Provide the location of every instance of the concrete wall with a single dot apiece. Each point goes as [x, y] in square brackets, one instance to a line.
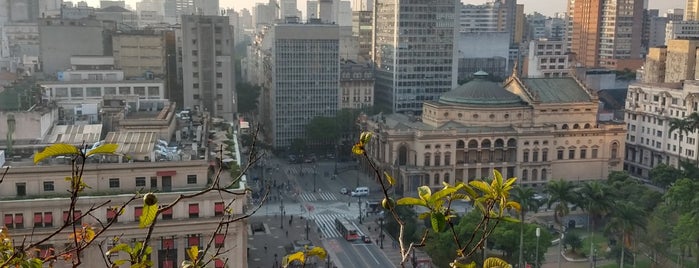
[483, 45]
[59, 40]
[137, 53]
[681, 60]
[28, 125]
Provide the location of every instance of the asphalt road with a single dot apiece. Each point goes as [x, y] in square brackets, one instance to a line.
[355, 254]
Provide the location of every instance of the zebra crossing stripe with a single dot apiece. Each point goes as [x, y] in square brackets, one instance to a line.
[326, 223]
[308, 197]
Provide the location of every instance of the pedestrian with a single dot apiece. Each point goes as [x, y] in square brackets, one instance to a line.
[291, 219]
[287, 233]
[289, 222]
[265, 248]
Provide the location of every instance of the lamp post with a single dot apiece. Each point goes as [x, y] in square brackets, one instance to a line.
[307, 228]
[335, 161]
[314, 178]
[359, 205]
[381, 232]
[538, 233]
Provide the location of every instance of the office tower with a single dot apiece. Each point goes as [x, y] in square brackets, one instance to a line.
[606, 39]
[362, 31]
[311, 10]
[59, 39]
[691, 11]
[287, 8]
[304, 80]
[264, 14]
[413, 50]
[207, 7]
[208, 71]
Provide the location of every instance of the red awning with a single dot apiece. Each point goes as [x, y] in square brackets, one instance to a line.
[37, 218]
[166, 173]
[168, 243]
[8, 219]
[48, 217]
[111, 213]
[137, 211]
[19, 218]
[193, 241]
[193, 208]
[167, 211]
[219, 239]
[218, 263]
[219, 207]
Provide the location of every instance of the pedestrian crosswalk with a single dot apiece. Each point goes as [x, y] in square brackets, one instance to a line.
[309, 197]
[297, 170]
[326, 224]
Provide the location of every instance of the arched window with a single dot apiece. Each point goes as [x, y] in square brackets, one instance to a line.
[615, 150]
[403, 155]
[587, 126]
[460, 144]
[565, 126]
[499, 143]
[535, 174]
[525, 175]
[485, 144]
[426, 180]
[447, 159]
[437, 159]
[543, 174]
[428, 158]
[576, 126]
[511, 143]
[435, 181]
[446, 178]
[473, 144]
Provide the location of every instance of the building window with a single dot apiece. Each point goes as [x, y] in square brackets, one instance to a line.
[19, 221]
[545, 155]
[77, 217]
[9, 221]
[219, 240]
[21, 188]
[535, 156]
[137, 212]
[192, 240]
[559, 155]
[195, 85]
[525, 156]
[447, 159]
[194, 210]
[191, 179]
[114, 183]
[219, 208]
[437, 159]
[167, 214]
[583, 153]
[614, 151]
[435, 180]
[219, 75]
[154, 182]
[195, 96]
[525, 175]
[594, 153]
[112, 214]
[48, 186]
[427, 160]
[140, 181]
[571, 153]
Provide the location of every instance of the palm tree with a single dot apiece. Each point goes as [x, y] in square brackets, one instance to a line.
[525, 198]
[562, 193]
[683, 126]
[597, 200]
[624, 220]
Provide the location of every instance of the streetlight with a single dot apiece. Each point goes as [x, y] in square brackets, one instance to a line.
[336, 159]
[281, 212]
[314, 178]
[359, 205]
[381, 232]
[538, 233]
[307, 228]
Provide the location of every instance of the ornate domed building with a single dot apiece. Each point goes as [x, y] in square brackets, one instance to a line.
[536, 129]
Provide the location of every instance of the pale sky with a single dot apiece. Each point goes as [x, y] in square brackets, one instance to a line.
[546, 7]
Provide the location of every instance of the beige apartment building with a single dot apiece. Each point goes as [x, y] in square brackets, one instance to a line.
[356, 85]
[138, 52]
[536, 129]
[673, 63]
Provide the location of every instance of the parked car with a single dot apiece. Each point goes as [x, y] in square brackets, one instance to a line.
[344, 190]
[366, 239]
[360, 191]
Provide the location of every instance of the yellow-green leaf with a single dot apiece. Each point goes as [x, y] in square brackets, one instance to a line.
[120, 247]
[358, 149]
[89, 233]
[107, 148]
[390, 179]
[118, 263]
[424, 192]
[493, 262]
[365, 137]
[410, 201]
[463, 265]
[193, 253]
[56, 150]
[148, 215]
[318, 252]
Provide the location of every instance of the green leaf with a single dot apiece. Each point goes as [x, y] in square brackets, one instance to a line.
[424, 192]
[509, 219]
[482, 186]
[390, 179]
[493, 262]
[462, 265]
[56, 150]
[365, 137]
[410, 201]
[193, 253]
[107, 148]
[120, 247]
[438, 221]
[423, 215]
[442, 194]
[119, 262]
[148, 215]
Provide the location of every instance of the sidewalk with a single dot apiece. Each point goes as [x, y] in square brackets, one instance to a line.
[275, 239]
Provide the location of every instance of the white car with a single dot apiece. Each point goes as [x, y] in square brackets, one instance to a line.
[343, 190]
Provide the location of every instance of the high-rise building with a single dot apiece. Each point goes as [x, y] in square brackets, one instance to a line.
[208, 70]
[606, 39]
[174, 9]
[207, 7]
[140, 53]
[362, 31]
[413, 50]
[287, 8]
[675, 14]
[311, 9]
[264, 14]
[691, 11]
[303, 78]
[59, 39]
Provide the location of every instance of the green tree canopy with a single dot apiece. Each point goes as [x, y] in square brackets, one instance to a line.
[247, 97]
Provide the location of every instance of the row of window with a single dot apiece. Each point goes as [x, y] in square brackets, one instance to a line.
[114, 183]
[45, 219]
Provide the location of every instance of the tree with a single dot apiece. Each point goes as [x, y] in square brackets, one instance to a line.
[525, 197]
[664, 175]
[562, 194]
[322, 130]
[573, 241]
[625, 219]
[247, 97]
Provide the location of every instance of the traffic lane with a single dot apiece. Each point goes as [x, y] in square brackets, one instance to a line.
[347, 254]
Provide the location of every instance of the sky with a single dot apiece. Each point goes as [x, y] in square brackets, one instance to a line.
[546, 7]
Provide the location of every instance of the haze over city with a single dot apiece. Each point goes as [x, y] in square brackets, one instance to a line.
[546, 7]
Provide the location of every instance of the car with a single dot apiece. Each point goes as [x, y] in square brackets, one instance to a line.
[343, 190]
[366, 239]
[360, 191]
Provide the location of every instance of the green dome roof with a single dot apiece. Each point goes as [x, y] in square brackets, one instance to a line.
[480, 92]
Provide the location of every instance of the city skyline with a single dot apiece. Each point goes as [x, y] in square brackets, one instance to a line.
[547, 8]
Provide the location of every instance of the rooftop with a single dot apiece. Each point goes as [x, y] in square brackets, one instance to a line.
[402, 122]
[480, 91]
[140, 143]
[556, 90]
[74, 134]
[157, 81]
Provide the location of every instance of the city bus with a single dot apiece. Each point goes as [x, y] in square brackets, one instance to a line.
[347, 229]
